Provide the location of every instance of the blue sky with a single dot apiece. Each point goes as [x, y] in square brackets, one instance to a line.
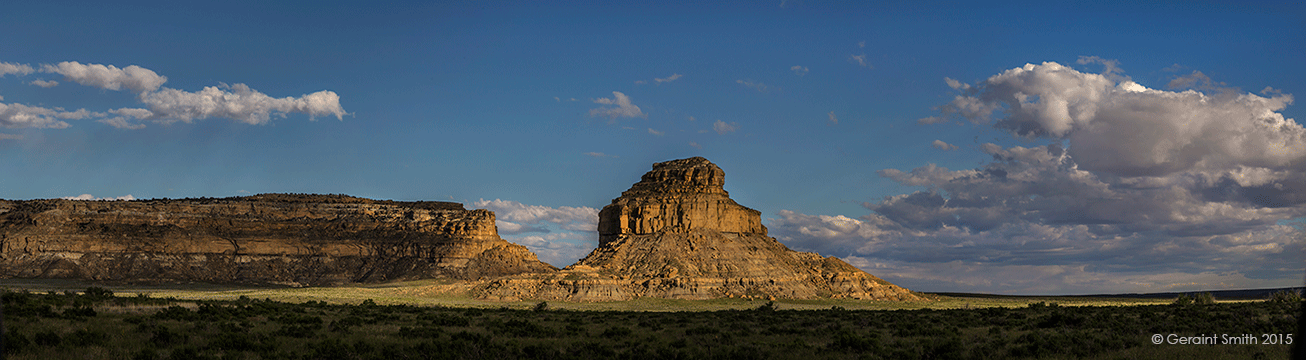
[1143, 148]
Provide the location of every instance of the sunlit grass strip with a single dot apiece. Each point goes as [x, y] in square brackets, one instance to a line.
[453, 294]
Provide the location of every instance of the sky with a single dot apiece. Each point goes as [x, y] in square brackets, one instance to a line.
[1018, 148]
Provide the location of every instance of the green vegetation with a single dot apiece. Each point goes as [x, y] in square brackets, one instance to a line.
[97, 323]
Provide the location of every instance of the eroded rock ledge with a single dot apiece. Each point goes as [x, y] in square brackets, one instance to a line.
[677, 234]
[273, 238]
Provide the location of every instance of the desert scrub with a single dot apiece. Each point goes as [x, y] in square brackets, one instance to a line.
[59, 326]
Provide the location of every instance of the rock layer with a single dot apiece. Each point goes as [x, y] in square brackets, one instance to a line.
[677, 234]
[275, 238]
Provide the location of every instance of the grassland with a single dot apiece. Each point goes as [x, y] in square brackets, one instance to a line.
[449, 294]
[419, 320]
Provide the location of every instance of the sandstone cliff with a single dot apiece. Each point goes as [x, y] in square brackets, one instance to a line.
[677, 234]
[274, 238]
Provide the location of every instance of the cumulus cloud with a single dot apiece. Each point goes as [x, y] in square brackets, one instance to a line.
[558, 249]
[558, 235]
[654, 132]
[721, 127]
[939, 144]
[956, 85]
[623, 107]
[582, 218]
[1111, 67]
[1131, 190]
[109, 77]
[23, 116]
[237, 102]
[89, 197]
[45, 83]
[163, 105]
[1127, 129]
[799, 70]
[17, 69]
[760, 87]
[671, 78]
[833, 120]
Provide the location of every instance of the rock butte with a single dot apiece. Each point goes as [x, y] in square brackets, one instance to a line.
[263, 239]
[677, 234]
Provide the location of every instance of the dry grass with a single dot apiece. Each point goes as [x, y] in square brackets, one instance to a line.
[453, 294]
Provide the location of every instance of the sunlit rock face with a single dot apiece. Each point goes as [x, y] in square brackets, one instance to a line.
[263, 239]
[677, 234]
[678, 195]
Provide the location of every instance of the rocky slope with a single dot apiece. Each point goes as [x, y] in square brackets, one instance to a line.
[276, 238]
[677, 234]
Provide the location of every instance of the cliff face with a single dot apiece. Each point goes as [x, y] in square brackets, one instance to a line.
[281, 239]
[677, 234]
[678, 195]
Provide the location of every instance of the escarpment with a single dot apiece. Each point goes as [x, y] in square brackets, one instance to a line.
[262, 239]
[677, 234]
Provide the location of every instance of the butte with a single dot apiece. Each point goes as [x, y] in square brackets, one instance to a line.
[676, 234]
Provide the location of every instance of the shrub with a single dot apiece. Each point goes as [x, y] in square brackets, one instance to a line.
[1285, 297]
[542, 306]
[616, 332]
[1204, 299]
[47, 338]
[98, 293]
[1183, 299]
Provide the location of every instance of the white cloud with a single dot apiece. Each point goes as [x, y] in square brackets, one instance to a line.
[570, 218]
[799, 70]
[671, 78]
[87, 197]
[109, 77]
[860, 60]
[165, 105]
[833, 120]
[939, 144]
[558, 249]
[760, 87]
[559, 236]
[640, 82]
[1027, 258]
[654, 132]
[121, 123]
[4, 136]
[17, 69]
[721, 127]
[1111, 67]
[861, 44]
[931, 120]
[1132, 190]
[237, 102]
[44, 83]
[599, 154]
[956, 85]
[1126, 129]
[23, 116]
[624, 107]
[695, 145]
